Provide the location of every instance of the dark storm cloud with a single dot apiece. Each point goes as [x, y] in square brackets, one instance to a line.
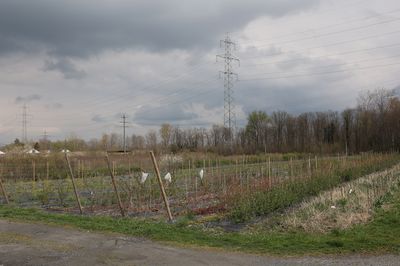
[165, 114]
[27, 99]
[83, 28]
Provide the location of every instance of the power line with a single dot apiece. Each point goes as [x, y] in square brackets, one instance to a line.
[143, 89]
[322, 56]
[332, 33]
[334, 44]
[320, 73]
[346, 22]
[323, 11]
[163, 98]
[334, 65]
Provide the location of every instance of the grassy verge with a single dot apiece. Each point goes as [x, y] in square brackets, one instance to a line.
[247, 206]
[382, 234]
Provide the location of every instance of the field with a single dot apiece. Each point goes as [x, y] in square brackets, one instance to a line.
[277, 204]
[236, 187]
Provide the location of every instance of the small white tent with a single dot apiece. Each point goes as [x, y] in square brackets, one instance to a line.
[2, 153]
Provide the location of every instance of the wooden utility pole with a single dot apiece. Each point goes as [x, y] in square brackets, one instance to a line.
[164, 195]
[115, 185]
[73, 183]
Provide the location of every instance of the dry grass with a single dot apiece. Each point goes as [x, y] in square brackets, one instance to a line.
[347, 205]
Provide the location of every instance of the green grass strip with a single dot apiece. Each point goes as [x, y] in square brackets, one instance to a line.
[380, 235]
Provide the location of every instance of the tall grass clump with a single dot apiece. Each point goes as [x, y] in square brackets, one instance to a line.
[245, 206]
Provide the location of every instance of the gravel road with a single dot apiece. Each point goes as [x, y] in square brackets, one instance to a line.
[37, 244]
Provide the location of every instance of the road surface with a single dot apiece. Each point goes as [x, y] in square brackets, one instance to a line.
[38, 244]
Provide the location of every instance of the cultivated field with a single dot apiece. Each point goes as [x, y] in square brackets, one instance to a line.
[238, 187]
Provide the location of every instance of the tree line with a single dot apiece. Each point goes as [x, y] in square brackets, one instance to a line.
[373, 125]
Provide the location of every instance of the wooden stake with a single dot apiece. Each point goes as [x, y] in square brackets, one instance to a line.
[186, 184]
[4, 191]
[47, 170]
[113, 167]
[164, 195]
[73, 184]
[2, 188]
[111, 170]
[79, 169]
[195, 187]
[33, 170]
[291, 167]
[83, 169]
[269, 172]
[236, 169]
[129, 166]
[204, 169]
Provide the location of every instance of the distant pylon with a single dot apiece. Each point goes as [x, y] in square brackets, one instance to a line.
[229, 104]
[24, 124]
[124, 122]
[45, 139]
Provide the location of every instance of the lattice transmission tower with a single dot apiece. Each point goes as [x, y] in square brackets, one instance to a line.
[124, 125]
[24, 137]
[228, 74]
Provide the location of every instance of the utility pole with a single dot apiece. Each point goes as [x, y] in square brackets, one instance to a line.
[124, 122]
[24, 124]
[229, 105]
[45, 138]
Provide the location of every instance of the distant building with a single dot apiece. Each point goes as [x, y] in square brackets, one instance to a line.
[33, 151]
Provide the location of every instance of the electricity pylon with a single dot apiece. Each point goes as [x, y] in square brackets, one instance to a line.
[229, 104]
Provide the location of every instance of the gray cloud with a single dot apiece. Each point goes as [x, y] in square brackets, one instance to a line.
[98, 119]
[54, 106]
[165, 114]
[76, 28]
[122, 54]
[27, 99]
[64, 66]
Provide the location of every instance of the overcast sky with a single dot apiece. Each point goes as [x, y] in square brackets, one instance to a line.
[78, 65]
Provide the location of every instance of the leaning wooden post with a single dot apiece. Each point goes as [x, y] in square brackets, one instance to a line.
[115, 185]
[33, 170]
[47, 170]
[164, 195]
[4, 191]
[73, 183]
[2, 187]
